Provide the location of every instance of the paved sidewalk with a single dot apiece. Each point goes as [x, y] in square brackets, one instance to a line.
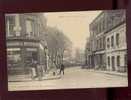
[123, 74]
[24, 78]
[50, 76]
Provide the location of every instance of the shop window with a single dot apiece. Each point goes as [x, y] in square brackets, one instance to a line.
[13, 58]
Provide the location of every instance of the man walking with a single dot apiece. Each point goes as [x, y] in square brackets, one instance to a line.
[34, 72]
[62, 67]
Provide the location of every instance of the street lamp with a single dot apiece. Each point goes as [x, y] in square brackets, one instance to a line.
[46, 57]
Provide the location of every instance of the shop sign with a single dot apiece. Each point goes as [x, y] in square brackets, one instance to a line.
[20, 43]
[31, 44]
[31, 49]
[14, 43]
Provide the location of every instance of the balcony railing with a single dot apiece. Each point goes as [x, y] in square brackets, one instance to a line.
[23, 37]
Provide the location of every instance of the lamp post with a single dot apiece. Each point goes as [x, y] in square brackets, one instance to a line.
[46, 57]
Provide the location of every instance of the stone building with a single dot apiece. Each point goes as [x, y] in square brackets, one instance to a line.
[89, 54]
[116, 45]
[92, 49]
[108, 41]
[24, 43]
[97, 42]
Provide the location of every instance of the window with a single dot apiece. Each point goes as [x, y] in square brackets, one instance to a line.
[100, 26]
[113, 63]
[10, 26]
[108, 42]
[103, 26]
[109, 23]
[13, 56]
[108, 61]
[97, 29]
[103, 43]
[118, 60]
[125, 59]
[112, 41]
[117, 39]
[97, 44]
[100, 43]
[39, 27]
[29, 28]
[112, 20]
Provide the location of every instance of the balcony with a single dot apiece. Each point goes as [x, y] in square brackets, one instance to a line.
[24, 37]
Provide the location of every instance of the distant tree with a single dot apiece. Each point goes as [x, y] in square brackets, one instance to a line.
[87, 47]
[79, 56]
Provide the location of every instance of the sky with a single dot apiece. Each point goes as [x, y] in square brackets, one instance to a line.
[74, 24]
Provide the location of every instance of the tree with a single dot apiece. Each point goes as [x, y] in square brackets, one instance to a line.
[57, 43]
[79, 56]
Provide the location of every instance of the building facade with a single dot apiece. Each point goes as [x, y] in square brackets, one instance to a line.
[97, 42]
[108, 48]
[116, 47]
[24, 45]
[89, 54]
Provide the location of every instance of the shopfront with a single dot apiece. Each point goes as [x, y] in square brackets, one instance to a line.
[20, 55]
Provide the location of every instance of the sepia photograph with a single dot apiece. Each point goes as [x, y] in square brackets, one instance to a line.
[66, 50]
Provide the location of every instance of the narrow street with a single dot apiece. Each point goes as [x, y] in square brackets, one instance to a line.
[74, 77]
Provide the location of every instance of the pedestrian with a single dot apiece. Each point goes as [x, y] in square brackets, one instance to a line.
[39, 71]
[62, 67]
[34, 69]
[33, 73]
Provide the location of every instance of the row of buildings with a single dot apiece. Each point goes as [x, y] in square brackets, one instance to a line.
[106, 48]
[25, 43]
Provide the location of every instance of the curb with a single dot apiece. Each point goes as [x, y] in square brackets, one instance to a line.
[111, 73]
[117, 74]
[29, 80]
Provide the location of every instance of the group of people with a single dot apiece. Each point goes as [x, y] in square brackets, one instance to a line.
[37, 71]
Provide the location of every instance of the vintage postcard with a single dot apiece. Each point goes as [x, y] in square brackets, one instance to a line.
[66, 50]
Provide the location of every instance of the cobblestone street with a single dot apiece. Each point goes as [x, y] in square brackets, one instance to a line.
[74, 77]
